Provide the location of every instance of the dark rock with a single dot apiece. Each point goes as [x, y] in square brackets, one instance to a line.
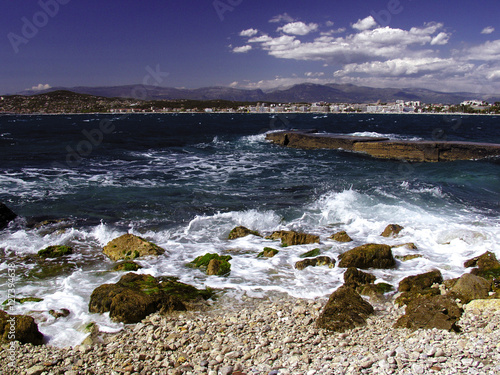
[406, 297]
[6, 215]
[354, 277]
[312, 253]
[127, 265]
[341, 237]
[375, 291]
[268, 252]
[25, 331]
[55, 251]
[213, 264]
[291, 238]
[392, 230]
[242, 232]
[439, 312]
[368, 256]
[487, 266]
[129, 246]
[406, 258]
[315, 262]
[134, 297]
[409, 245]
[63, 313]
[420, 282]
[469, 287]
[344, 310]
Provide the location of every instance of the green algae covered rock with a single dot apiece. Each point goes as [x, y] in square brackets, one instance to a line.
[55, 251]
[213, 264]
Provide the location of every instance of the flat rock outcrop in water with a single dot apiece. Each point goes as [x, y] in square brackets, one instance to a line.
[385, 148]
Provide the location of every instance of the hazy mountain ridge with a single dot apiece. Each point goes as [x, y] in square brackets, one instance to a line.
[306, 92]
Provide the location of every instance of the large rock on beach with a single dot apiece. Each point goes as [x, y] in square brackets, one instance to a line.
[421, 281]
[344, 310]
[6, 215]
[129, 246]
[341, 237]
[487, 266]
[20, 328]
[354, 277]
[439, 312]
[291, 238]
[241, 231]
[135, 296]
[315, 262]
[392, 230]
[368, 256]
[469, 287]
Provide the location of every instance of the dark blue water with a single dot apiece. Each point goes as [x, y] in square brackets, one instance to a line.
[183, 181]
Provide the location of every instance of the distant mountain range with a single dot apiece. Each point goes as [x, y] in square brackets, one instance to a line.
[306, 92]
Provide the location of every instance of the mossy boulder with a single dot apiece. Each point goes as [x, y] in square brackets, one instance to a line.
[49, 269]
[341, 237]
[135, 296]
[6, 216]
[344, 310]
[392, 230]
[268, 252]
[312, 253]
[55, 251]
[354, 277]
[487, 266]
[213, 264]
[20, 328]
[368, 256]
[291, 238]
[375, 291]
[440, 312]
[470, 287]
[127, 265]
[421, 281]
[241, 231]
[129, 247]
[315, 262]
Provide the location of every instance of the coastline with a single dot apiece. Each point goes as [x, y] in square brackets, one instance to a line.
[273, 335]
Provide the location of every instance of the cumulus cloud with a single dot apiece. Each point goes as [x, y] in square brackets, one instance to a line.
[282, 18]
[249, 32]
[489, 51]
[440, 39]
[243, 49]
[41, 87]
[311, 74]
[365, 24]
[488, 30]
[298, 28]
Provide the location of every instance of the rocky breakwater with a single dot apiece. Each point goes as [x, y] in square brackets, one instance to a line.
[385, 148]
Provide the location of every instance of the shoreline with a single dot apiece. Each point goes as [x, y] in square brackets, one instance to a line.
[273, 335]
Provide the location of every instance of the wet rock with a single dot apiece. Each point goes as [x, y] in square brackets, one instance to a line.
[213, 264]
[134, 297]
[406, 258]
[344, 310]
[354, 277]
[487, 266]
[268, 252]
[439, 312]
[21, 328]
[241, 231]
[469, 287]
[129, 246]
[6, 216]
[55, 251]
[315, 262]
[22, 300]
[375, 291]
[368, 256]
[341, 237]
[420, 282]
[62, 313]
[311, 254]
[409, 246]
[392, 230]
[127, 265]
[291, 238]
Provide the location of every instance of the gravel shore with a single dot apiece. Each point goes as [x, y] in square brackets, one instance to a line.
[275, 335]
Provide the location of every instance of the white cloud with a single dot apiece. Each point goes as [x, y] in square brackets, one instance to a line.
[365, 24]
[441, 39]
[489, 51]
[298, 28]
[260, 39]
[249, 32]
[41, 87]
[488, 30]
[281, 18]
[311, 74]
[329, 24]
[243, 49]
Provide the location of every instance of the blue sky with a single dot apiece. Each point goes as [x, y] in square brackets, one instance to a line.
[435, 44]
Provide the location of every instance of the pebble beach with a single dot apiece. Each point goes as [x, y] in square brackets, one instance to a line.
[275, 335]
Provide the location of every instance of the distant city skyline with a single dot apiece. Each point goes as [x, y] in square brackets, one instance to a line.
[430, 44]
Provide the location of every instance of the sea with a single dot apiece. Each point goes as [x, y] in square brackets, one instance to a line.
[183, 181]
